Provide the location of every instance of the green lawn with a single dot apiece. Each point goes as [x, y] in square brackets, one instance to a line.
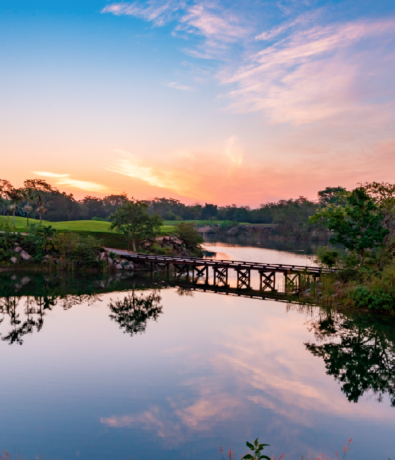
[74, 225]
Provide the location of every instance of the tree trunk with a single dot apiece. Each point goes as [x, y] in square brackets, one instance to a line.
[134, 245]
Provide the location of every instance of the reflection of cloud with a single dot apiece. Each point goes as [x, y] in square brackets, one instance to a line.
[67, 181]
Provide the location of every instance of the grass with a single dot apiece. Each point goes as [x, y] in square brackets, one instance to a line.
[78, 226]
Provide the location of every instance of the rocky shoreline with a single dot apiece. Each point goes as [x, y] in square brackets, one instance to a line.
[111, 259]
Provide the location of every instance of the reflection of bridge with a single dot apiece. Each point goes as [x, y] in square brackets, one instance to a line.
[198, 268]
[232, 291]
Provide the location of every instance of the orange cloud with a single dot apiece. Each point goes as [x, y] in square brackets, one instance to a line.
[66, 181]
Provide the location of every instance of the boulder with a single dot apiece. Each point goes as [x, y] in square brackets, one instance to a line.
[103, 255]
[130, 266]
[14, 260]
[24, 255]
[118, 266]
[17, 249]
[110, 261]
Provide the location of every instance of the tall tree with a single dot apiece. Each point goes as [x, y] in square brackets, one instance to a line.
[357, 225]
[133, 220]
[38, 189]
[5, 186]
[15, 196]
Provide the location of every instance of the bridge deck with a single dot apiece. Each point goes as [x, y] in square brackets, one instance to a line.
[235, 264]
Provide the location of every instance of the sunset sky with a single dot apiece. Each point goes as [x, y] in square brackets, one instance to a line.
[205, 101]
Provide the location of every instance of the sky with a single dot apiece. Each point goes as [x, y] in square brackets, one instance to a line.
[203, 101]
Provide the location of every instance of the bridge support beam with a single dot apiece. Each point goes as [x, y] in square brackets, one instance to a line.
[201, 272]
[180, 270]
[267, 281]
[220, 276]
[243, 278]
[291, 281]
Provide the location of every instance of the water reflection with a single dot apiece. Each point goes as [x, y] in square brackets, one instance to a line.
[134, 310]
[125, 362]
[358, 350]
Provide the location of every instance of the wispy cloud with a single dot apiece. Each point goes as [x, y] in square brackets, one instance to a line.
[310, 75]
[66, 181]
[176, 85]
[157, 11]
[217, 25]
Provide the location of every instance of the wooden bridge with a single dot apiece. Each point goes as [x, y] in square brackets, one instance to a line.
[199, 268]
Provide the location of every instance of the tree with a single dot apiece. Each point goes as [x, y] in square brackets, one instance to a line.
[5, 186]
[15, 196]
[357, 225]
[332, 195]
[38, 189]
[209, 211]
[187, 232]
[383, 194]
[132, 219]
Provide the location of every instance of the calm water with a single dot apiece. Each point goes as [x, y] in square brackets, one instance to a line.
[117, 368]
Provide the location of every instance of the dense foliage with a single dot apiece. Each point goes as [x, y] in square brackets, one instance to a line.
[357, 225]
[44, 244]
[363, 222]
[39, 199]
[135, 223]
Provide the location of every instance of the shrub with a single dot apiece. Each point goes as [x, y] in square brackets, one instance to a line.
[188, 233]
[375, 299]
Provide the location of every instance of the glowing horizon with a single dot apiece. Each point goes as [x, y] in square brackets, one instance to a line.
[196, 100]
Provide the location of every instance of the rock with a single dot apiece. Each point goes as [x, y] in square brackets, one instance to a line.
[14, 260]
[25, 255]
[17, 249]
[118, 266]
[176, 241]
[46, 257]
[110, 261]
[103, 255]
[130, 266]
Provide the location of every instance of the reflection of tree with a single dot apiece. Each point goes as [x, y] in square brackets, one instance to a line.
[133, 312]
[34, 312]
[358, 352]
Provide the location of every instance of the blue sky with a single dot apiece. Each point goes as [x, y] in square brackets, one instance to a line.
[200, 100]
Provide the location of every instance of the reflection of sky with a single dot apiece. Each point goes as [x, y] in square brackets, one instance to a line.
[211, 368]
[224, 251]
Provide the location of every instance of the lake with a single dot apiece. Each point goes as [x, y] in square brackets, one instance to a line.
[128, 367]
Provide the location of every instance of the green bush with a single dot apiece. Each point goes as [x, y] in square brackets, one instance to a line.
[188, 233]
[327, 256]
[373, 299]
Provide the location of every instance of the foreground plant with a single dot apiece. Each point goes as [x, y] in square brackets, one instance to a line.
[256, 450]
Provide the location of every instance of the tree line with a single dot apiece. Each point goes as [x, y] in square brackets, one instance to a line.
[38, 199]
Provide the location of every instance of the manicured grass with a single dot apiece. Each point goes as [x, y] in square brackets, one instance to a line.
[78, 226]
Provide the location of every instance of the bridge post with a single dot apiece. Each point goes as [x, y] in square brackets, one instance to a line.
[267, 282]
[291, 281]
[220, 276]
[243, 278]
